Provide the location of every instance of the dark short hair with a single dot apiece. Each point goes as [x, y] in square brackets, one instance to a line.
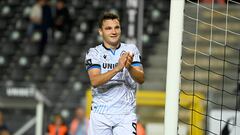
[107, 16]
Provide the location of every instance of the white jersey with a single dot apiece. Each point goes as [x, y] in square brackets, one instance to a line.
[117, 96]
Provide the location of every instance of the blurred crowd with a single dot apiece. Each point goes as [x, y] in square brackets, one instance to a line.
[77, 126]
[3, 127]
[46, 18]
[58, 125]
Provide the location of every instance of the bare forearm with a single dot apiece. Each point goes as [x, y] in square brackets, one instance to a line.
[100, 79]
[137, 74]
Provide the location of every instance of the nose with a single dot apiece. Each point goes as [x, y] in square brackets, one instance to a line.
[114, 31]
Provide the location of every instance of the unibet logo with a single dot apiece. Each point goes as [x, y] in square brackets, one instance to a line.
[109, 65]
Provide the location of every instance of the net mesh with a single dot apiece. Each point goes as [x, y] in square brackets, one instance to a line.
[210, 69]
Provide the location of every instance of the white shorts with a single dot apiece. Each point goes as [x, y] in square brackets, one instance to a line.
[106, 124]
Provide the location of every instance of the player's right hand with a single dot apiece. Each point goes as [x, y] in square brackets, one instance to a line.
[129, 60]
[122, 62]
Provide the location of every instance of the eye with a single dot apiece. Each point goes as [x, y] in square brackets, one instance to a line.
[108, 28]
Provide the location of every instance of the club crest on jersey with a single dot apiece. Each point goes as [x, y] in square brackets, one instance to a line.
[122, 52]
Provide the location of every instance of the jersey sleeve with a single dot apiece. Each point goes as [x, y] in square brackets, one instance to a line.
[137, 57]
[92, 59]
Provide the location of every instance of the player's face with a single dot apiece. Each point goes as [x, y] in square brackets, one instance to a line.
[110, 32]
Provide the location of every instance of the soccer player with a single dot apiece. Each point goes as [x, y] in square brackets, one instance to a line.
[114, 69]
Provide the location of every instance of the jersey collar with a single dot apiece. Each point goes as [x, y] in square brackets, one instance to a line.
[110, 48]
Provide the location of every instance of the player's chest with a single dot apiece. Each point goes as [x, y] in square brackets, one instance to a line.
[111, 56]
[108, 59]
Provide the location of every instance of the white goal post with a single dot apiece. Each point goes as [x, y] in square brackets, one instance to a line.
[173, 67]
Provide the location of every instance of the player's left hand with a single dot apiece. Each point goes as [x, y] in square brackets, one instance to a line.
[129, 60]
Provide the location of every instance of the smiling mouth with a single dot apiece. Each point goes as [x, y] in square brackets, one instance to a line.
[113, 36]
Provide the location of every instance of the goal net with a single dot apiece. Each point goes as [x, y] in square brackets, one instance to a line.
[210, 67]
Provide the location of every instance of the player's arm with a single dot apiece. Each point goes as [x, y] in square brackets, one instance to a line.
[98, 79]
[136, 72]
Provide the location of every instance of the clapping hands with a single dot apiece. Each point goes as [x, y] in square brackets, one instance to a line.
[125, 60]
[129, 60]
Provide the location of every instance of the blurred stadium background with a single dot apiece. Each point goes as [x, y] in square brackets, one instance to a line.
[58, 80]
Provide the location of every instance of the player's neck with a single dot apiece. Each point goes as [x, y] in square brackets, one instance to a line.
[112, 47]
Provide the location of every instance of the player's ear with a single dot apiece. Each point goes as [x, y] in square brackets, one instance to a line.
[100, 31]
